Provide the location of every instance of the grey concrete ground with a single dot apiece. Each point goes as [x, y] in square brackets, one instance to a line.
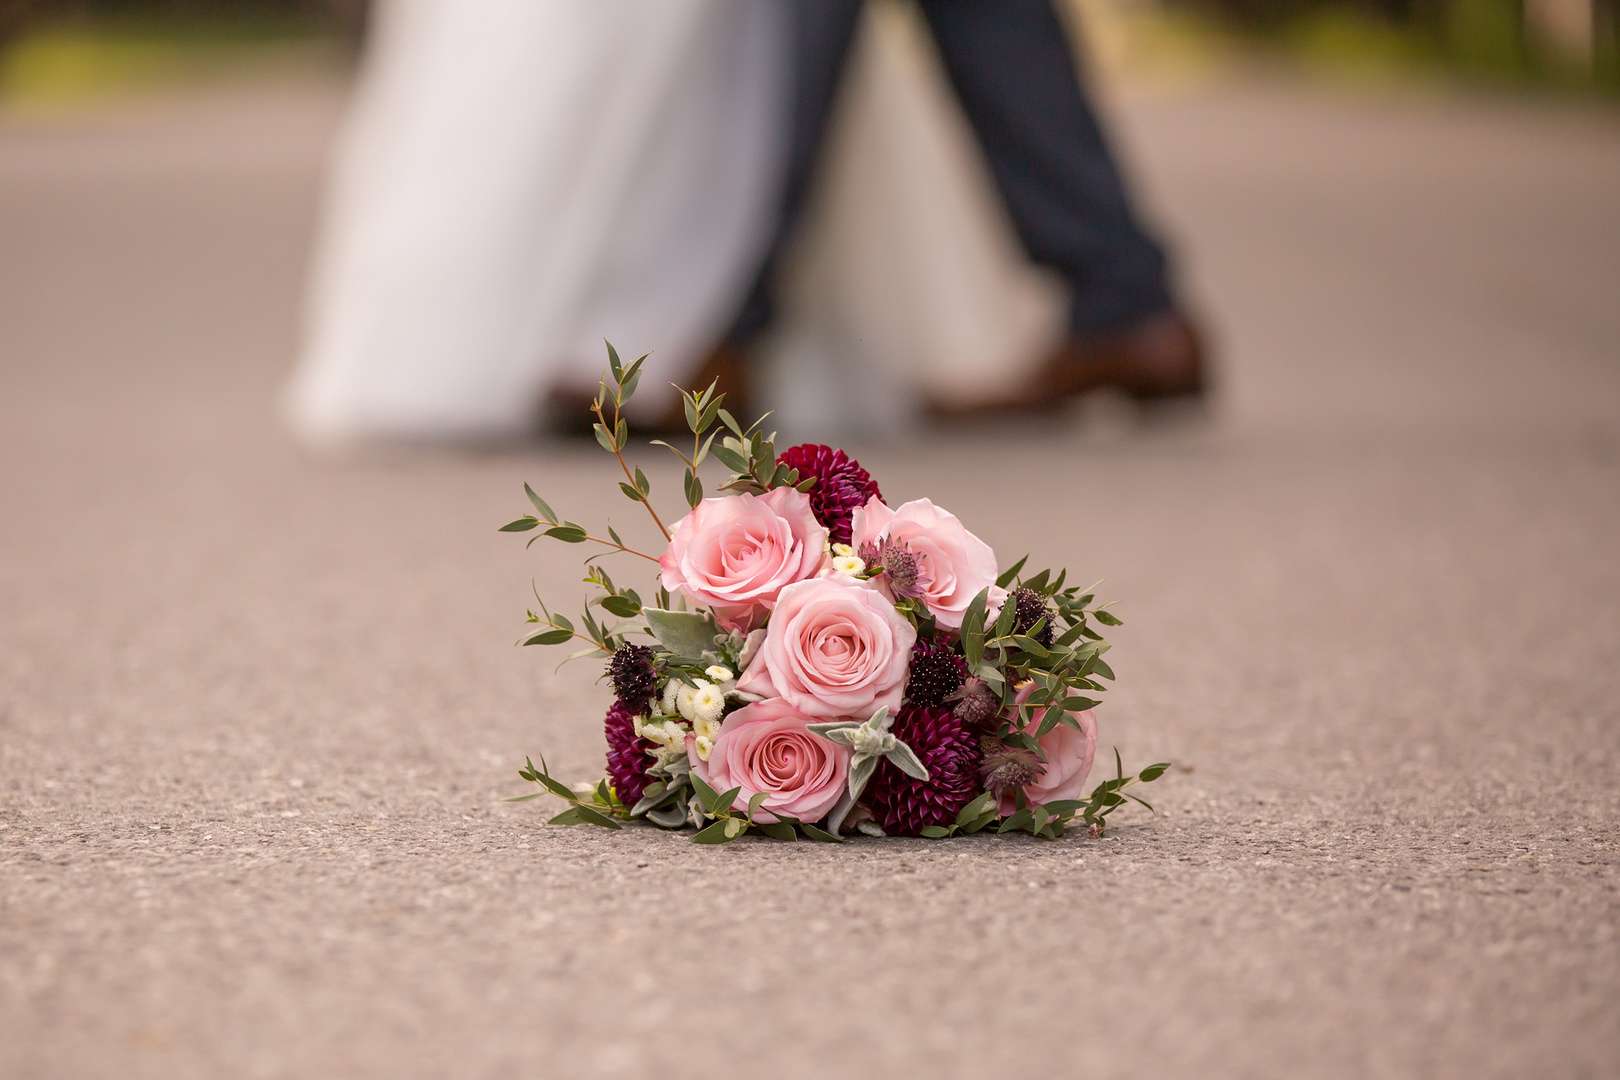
[256, 710]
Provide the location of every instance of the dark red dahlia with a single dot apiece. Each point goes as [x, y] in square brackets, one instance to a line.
[936, 673]
[841, 485]
[627, 758]
[949, 751]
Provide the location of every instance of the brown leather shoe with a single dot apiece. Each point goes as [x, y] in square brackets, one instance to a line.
[568, 413]
[1159, 358]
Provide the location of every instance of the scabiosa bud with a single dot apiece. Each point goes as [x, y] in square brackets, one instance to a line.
[906, 576]
[627, 754]
[841, 485]
[635, 677]
[1030, 608]
[976, 704]
[1006, 766]
[936, 674]
[903, 805]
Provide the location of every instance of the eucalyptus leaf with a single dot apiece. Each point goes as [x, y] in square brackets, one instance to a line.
[522, 524]
[713, 834]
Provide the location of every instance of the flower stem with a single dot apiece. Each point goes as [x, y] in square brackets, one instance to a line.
[613, 429]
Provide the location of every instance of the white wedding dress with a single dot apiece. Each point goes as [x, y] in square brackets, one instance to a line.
[520, 179]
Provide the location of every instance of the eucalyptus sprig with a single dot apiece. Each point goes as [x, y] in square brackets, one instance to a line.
[601, 809]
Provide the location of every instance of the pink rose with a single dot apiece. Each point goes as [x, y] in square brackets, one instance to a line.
[768, 746]
[833, 650]
[1068, 759]
[957, 564]
[735, 553]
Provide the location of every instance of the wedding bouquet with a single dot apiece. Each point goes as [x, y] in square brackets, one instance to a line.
[814, 661]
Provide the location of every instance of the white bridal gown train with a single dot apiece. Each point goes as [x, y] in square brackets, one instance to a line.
[520, 179]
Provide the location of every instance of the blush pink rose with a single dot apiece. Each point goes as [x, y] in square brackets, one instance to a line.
[958, 564]
[1068, 759]
[833, 650]
[735, 553]
[768, 746]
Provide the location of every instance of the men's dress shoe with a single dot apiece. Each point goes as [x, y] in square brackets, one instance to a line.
[1159, 358]
[568, 412]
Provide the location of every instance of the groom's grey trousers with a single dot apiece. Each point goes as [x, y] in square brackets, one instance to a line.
[1013, 69]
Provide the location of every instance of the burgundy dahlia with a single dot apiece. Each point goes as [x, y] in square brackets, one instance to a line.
[627, 758]
[936, 674]
[950, 753]
[841, 485]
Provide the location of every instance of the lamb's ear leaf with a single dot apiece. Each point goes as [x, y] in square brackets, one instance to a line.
[684, 633]
[669, 817]
[907, 761]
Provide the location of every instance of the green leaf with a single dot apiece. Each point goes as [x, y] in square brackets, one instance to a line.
[540, 505]
[622, 606]
[731, 422]
[777, 830]
[1004, 623]
[1011, 572]
[974, 808]
[735, 827]
[583, 815]
[642, 484]
[550, 637]
[731, 459]
[973, 628]
[602, 436]
[713, 834]
[568, 533]
[631, 493]
[684, 633]
[707, 796]
[820, 834]
[632, 376]
[1153, 772]
[522, 524]
[613, 361]
[755, 801]
[933, 831]
[979, 822]
[523, 798]
[728, 799]
[1019, 820]
[694, 488]
[1107, 618]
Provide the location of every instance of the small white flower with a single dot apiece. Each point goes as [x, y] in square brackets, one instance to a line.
[667, 735]
[719, 674]
[705, 746]
[671, 688]
[685, 696]
[707, 703]
[843, 550]
[849, 564]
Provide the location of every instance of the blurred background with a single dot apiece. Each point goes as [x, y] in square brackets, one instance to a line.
[258, 704]
[58, 50]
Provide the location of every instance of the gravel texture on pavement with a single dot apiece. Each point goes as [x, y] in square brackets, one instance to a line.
[257, 709]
